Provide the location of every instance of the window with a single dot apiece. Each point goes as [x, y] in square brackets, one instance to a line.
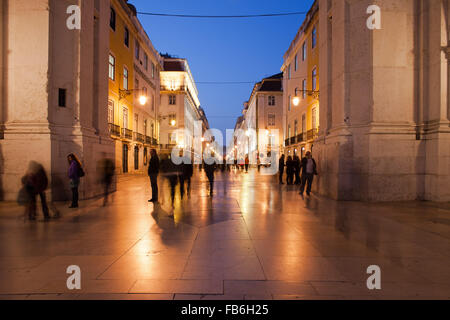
[172, 138]
[295, 128]
[125, 78]
[303, 123]
[152, 128]
[125, 118]
[145, 127]
[289, 103]
[126, 38]
[61, 97]
[153, 70]
[172, 99]
[136, 158]
[304, 89]
[271, 119]
[144, 91]
[304, 51]
[314, 118]
[112, 19]
[136, 85]
[314, 79]
[136, 123]
[112, 67]
[145, 61]
[314, 38]
[271, 100]
[152, 102]
[289, 71]
[295, 63]
[172, 119]
[289, 131]
[110, 111]
[137, 50]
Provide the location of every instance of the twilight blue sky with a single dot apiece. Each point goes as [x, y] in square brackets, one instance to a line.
[224, 49]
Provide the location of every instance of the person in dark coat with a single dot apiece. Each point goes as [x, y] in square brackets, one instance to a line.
[75, 169]
[209, 170]
[187, 173]
[153, 171]
[36, 182]
[106, 168]
[281, 165]
[170, 171]
[296, 161]
[309, 170]
[290, 170]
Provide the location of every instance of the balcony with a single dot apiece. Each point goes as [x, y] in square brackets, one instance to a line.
[154, 142]
[139, 137]
[292, 140]
[114, 129]
[312, 134]
[286, 142]
[300, 138]
[127, 134]
[148, 140]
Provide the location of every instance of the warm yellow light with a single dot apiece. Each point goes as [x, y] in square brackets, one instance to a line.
[173, 123]
[142, 100]
[267, 132]
[203, 139]
[296, 101]
[248, 133]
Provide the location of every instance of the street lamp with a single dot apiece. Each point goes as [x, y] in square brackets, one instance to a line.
[124, 93]
[296, 100]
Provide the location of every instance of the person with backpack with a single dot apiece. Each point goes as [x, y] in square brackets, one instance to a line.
[75, 173]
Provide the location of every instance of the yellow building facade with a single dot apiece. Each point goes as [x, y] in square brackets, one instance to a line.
[134, 68]
[301, 88]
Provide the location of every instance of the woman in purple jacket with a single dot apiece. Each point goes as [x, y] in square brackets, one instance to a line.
[74, 176]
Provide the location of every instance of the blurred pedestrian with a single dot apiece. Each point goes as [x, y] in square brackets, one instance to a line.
[187, 173]
[170, 171]
[247, 163]
[309, 170]
[106, 169]
[290, 170]
[35, 183]
[153, 171]
[209, 170]
[281, 165]
[75, 173]
[296, 161]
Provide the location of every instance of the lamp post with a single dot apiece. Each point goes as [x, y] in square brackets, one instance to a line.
[296, 99]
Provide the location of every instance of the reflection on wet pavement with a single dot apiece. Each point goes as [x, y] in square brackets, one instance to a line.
[253, 239]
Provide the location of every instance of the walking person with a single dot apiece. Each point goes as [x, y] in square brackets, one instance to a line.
[106, 170]
[209, 170]
[290, 170]
[247, 162]
[309, 170]
[187, 173]
[36, 182]
[296, 161]
[75, 173]
[281, 168]
[171, 173]
[153, 171]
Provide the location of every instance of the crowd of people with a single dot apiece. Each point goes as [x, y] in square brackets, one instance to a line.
[35, 182]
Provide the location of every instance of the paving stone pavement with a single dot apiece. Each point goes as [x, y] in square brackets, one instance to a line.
[255, 239]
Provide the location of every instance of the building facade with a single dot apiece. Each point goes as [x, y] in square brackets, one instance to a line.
[180, 114]
[53, 94]
[134, 85]
[301, 87]
[384, 113]
[263, 120]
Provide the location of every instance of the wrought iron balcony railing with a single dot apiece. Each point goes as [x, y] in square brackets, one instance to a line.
[114, 129]
[127, 134]
[139, 137]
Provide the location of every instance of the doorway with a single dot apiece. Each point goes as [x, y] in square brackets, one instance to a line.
[125, 158]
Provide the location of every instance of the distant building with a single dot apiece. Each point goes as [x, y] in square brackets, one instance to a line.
[180, 108]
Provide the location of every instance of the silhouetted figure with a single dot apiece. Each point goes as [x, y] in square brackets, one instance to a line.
[170, 171]
[106, 170]
[153, 171]
[296, 161]
[247, 162]
[290, 170]
[309, 170]
[75, 173]
[281, 165]
[209, 170]
[35, 183]
[187, 173]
